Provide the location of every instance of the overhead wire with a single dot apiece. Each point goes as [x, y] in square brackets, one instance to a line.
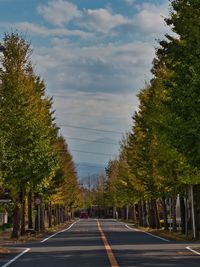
[89, 152]
[92, 129]
[92, 141]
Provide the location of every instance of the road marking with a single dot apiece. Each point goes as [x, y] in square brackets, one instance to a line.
[27, 249]
[194, 251]
[131, 228]
[137, 230]
[17, 257]
[113, 261]
[62, 231]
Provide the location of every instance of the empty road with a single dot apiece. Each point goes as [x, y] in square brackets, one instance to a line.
[102, 243]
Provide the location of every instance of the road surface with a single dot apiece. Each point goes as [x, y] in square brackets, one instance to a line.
[102, 243]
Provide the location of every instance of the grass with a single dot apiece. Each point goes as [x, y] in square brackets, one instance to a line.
[176, 236]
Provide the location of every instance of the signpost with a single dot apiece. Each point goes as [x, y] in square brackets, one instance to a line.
[37, 203]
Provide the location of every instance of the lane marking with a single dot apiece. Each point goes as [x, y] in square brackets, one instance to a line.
[137, 230]
[113, 261]
[161, 238]
[131, 228]
[62, 231]
[17, 257]
[194, 251]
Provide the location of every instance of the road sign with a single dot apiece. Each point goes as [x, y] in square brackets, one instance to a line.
[37, 201]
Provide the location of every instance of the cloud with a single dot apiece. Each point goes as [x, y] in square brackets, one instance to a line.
[53, 32]
[100, 111]
[150, 19]
[99, 24]
[102, 20]
[59, 12]
[110, 68]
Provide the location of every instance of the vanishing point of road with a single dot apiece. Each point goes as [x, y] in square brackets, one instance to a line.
[102, 243]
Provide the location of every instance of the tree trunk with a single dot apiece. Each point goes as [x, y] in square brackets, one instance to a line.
[140, 214]
[58, 208]
[42, 223]
[16, 221]
[127, 212]
[174, 213]
[134, 214]
[114, 213]
[186, 213]
[61, 214]
[37, 219]
[194, 225]
[55, 215]
[165, 214]
[50, 215]
[145, 214]
[23, 223]
[153, 209]
[30, 211]
[156, 215]
[22, 213]
[196, 208]
[182, 209]
[150, 215]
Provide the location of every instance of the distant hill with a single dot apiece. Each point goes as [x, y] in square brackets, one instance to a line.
[88, 173]
[86, 169]
[105, 146]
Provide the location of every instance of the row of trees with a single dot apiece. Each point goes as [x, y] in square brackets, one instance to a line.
[35, 164]
[160, 158]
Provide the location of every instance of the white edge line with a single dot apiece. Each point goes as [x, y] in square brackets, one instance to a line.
[137, 230]
[164, 239]
[62, 231]
[194, 251]
[17, 257]
[133, 229]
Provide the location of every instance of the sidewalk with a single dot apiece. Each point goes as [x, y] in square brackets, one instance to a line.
[5, 238]
[4, 241]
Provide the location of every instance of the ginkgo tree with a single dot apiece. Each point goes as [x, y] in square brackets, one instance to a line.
[30, 158]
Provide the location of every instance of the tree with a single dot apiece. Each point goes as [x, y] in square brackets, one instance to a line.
[180, 57]
[26, 127]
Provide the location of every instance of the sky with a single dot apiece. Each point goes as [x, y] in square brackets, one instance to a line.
[94, 57]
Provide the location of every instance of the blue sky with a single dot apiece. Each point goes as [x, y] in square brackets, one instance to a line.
[94, 57]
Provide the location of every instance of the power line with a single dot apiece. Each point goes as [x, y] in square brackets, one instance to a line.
[94, 116]
[89, 152]
[92, 141]
[91, 165]
[96, 153]
[92, 129]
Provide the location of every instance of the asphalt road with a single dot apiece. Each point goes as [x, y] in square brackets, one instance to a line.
[84, 245]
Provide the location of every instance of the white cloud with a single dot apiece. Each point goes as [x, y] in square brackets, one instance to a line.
[59, 12]
[102, 20]
[96, 78]
[110, 68]
[150, 19]
[35, 29]
[101, 111]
